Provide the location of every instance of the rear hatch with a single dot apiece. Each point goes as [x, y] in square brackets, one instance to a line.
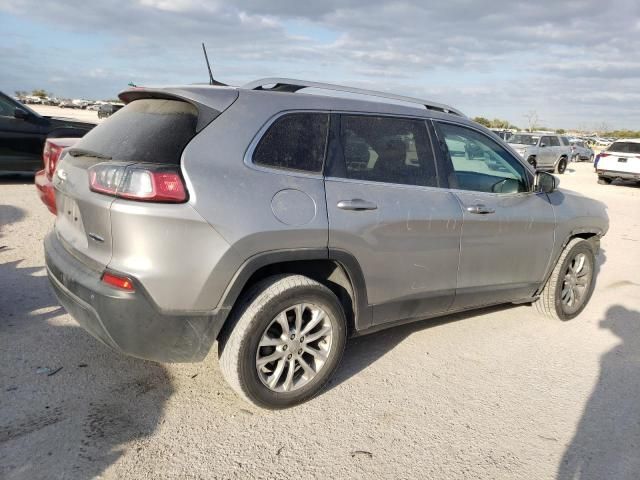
[152, 129]
[621, 156]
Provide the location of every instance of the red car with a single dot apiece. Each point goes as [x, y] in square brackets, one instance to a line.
[53, 148]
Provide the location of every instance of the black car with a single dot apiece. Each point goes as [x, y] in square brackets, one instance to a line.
[23, 132]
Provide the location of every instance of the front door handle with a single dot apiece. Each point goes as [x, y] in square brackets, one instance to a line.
[480, 209]
[356, 204]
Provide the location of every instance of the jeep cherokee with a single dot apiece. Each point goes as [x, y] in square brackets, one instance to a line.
[278, 223]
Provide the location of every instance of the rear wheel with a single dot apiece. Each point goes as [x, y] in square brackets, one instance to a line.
[571, 283]
[284, 341]
[562, 165]
[604, 180]
[591, 158]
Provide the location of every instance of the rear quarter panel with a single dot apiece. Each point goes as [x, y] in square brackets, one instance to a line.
[239, 200]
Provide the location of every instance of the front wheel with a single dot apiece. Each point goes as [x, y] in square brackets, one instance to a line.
[284, 341]
[562, 165]
[571, 283]
[604, 180]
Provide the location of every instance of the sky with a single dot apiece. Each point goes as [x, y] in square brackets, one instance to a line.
[576, 64]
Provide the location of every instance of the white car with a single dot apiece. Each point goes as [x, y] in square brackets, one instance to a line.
[620, 160]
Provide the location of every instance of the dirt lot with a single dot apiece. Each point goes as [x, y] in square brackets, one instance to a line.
[500, 393]
[78, 114]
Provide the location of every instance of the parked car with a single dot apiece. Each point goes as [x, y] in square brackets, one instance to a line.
[108, 109]
[280, 223]
[54, 148]
[23, 132]
[580, 151]
[545, 152]
[621, 160]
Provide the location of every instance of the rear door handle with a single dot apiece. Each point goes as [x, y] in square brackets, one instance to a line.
[356, 204]
[480, 209]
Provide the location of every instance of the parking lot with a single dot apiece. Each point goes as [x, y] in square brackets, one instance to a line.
[500, 393]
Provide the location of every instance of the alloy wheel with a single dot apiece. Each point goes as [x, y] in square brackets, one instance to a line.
[576, 283]
[294, 347]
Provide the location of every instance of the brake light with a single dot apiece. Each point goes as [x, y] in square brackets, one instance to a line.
[149, 183]
[117, 281]
[50, 156]
[603, 154]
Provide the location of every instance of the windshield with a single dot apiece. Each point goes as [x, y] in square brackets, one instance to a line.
[624, 147]
[522, 139]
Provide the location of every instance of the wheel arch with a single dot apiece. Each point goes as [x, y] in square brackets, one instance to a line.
[591, 235]
[336, 269]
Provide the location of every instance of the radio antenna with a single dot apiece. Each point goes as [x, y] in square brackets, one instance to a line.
[212, 81]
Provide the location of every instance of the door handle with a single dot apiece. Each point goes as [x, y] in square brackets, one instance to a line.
[480, 209]
[356, 204]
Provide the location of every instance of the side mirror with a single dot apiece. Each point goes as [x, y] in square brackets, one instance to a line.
[545, 182]
[543, 145]
[21, 114]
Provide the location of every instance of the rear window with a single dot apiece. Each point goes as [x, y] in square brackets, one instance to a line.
[147, 130]
[294, 142]
[625, 147]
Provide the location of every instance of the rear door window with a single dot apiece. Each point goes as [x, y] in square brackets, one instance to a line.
[295, 141]
[147, 130]
[387, 149]
[554, 142]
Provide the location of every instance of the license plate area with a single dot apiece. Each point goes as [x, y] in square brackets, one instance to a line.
[622, 160]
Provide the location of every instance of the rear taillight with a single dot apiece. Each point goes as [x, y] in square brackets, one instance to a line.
[603, 154]
[148, 183]
[50, 156]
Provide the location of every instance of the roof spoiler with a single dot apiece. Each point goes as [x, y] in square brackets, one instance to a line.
[209, 101]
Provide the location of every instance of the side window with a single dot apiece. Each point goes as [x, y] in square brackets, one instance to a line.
[565, 141]
[554, 142]
[479, 163]
[295, 141]
[546, 141]
[387, 149]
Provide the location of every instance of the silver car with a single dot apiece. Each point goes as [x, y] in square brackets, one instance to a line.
[543, 151]
[580, 151]
[279, 224]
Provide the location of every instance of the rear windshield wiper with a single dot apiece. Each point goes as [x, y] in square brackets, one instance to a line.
[82, 152]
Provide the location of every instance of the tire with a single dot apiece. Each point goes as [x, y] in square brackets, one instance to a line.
[532, 162]
[551, 302]
[258, 313]
[562, 166]
[604, 181]
[591, 158]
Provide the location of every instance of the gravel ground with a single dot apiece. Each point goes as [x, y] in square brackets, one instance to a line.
[499, 393]
[77, 114]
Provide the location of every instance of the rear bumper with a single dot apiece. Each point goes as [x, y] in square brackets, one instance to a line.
[45, 191]
[128, 322]
[616, 174]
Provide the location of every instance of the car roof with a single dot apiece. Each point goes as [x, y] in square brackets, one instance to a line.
[285, 96]
[629, 140]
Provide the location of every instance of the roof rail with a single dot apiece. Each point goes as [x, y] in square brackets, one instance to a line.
[291, 85]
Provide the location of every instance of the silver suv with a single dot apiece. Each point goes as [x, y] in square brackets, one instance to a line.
[544, 152]
[279, 223]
